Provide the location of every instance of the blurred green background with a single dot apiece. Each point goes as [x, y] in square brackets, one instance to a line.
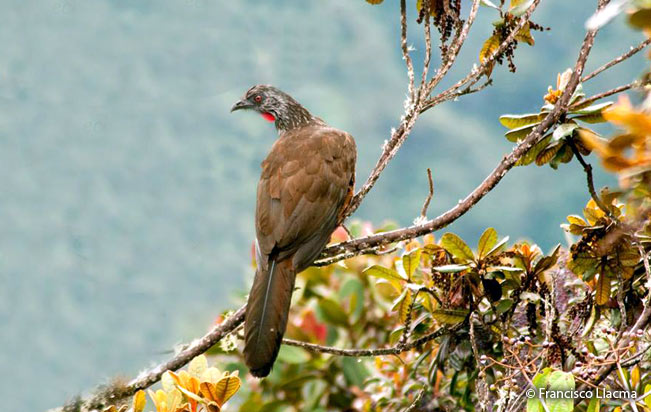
[127, 188]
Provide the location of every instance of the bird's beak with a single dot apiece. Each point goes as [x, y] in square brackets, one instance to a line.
[241, 104]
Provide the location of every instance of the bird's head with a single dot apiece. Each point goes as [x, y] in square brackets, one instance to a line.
[275, 106]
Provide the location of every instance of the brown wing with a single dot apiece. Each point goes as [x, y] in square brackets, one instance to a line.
[305, 182]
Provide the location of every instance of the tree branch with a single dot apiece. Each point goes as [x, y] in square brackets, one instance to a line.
[394, 350]
[618, 60]
[610, 92]
[153, 375]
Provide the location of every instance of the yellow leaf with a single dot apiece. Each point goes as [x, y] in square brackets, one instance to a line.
[160, 400]
[490, 46]
[603, 289]
[576, 220]
[533, 153]
[139, 401]
[405, 305]
[198, 366]
[547, 154]
[623, 114]
[211, 375]
[168, 382]
[450, 316]
[457, 247]
[635, 376]
[411, 261]
[174, 400]
[221, 391]
[524, 35]
[487, 240]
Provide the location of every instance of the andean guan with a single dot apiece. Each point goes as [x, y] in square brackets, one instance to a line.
[306, 184]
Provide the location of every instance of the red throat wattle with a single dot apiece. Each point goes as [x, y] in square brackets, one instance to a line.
[268, 117]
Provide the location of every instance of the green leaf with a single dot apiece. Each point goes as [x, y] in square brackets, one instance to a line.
[355, 289]
[385, 273]
[498, 247]
[578, 92]
[519, 7]
[564, 130]
[590, 118]
[411, 261]
[451, 268]
[506, 269]
[503, 306]
[457, 247]
[332, 312]
[595, 108]
[561, 381]
[595, 405]
[563, 155]
[450, 316]
[513, 121]
[519, 133]
[293, 355]
[355, 371]
[487, 240]
[539, 382]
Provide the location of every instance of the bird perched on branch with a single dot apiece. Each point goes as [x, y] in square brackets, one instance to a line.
[306, 184]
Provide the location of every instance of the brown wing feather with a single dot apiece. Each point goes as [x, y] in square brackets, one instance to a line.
[305, 185]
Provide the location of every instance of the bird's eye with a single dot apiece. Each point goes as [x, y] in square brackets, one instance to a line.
[257, 99]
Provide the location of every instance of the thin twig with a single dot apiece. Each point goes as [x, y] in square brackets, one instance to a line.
[617, 60]
[587, 167]
[607, 93]
[455, 48]
[428, 48]
[414, 404]
[423, 212]
[394, 350]
[405, 49]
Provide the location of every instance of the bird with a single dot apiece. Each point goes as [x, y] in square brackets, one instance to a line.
[306, 184]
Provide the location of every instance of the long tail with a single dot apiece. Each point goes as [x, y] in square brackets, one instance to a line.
[266, 315]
